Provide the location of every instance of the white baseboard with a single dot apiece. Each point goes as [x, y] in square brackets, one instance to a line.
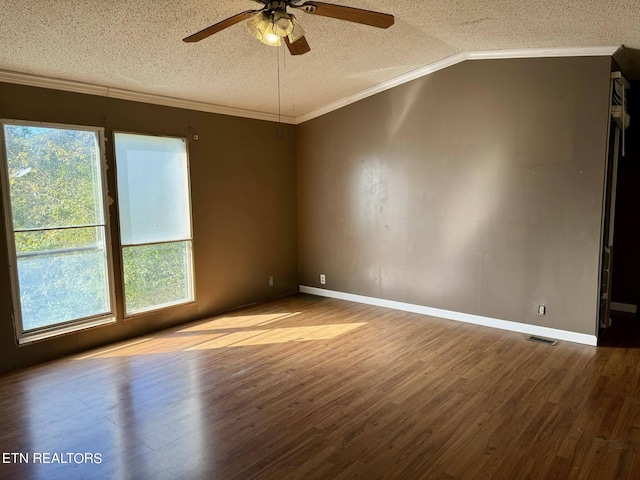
[575, 337]
[623, 307]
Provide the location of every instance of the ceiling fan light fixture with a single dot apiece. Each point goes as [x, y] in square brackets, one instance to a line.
[297, 32]
[271, 28]
[261, 27]
[282, 23]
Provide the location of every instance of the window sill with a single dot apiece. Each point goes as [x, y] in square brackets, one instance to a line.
[157, 308]
[63, 330]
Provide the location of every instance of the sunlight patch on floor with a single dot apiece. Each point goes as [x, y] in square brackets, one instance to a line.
[228, 331]
[278, 335]
[149, 346]
[241, 321]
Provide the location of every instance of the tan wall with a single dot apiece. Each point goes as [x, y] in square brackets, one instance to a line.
[476, 189]
[243, 185]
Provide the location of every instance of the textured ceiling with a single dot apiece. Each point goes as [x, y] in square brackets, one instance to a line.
[137, 44]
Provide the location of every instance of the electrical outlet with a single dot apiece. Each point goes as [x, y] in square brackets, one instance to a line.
[542, 310]
[323, 279]
[271, 281]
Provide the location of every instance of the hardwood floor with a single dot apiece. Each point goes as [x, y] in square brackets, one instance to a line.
[328, 390]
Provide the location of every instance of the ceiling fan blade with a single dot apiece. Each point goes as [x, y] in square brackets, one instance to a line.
[202, 34]
[299, 47]
[350, 14]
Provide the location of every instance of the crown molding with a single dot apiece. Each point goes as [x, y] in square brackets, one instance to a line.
[53, 83]
[453, 60]
[381, 87]
[90, 89]
[199, 106]
[542, 53]
[121, 94]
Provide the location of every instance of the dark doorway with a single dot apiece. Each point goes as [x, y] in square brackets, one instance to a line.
[625, 282]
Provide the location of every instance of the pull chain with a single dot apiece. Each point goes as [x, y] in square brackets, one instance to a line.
[279, 119]
[280, 132]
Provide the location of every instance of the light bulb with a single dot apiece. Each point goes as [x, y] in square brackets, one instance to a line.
[271, 39]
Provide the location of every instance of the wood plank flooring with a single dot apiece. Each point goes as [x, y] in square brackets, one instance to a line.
[299, 389]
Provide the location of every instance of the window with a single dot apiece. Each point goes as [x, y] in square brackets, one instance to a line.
[155, 221]
[57, 231]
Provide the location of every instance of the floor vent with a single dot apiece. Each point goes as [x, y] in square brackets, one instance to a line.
[546, 341]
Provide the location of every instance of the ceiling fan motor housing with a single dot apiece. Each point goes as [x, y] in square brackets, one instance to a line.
[274, 6]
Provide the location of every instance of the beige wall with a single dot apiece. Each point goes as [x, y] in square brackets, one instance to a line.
[243, 186]
[476, 189]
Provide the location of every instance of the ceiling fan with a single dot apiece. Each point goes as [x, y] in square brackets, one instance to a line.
[272, 23]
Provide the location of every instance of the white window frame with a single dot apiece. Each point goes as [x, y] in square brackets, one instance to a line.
[43, 333]
[192, 283]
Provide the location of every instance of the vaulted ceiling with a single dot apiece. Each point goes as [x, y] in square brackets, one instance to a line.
[137, 44]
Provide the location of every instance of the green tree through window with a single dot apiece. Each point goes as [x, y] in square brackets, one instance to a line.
[155, 221]
[58, 223]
